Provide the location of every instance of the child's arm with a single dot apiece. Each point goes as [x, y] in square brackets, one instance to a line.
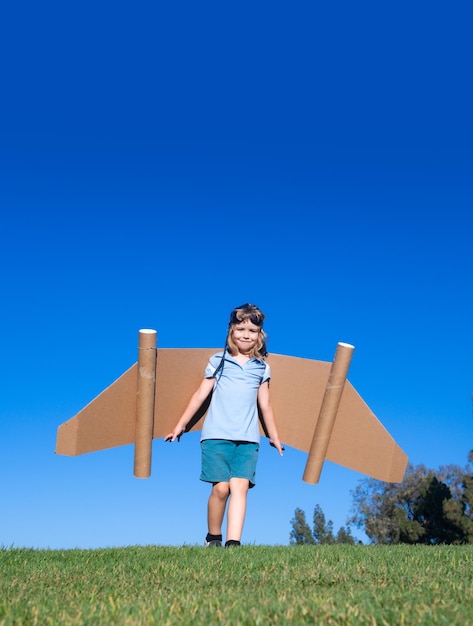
[196, 401]
[268, 416]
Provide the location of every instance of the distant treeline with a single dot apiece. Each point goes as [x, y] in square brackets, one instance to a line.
[429, 507]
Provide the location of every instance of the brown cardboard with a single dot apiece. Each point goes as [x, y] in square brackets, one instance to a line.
[328, 413]
[298, 386]
[145, 395]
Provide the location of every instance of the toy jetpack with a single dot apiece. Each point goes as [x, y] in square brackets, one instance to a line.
[316, 410]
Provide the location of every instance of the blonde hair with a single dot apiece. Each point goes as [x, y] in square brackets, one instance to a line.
[256, 316]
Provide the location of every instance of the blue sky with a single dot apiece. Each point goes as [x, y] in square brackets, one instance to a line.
[160, 165]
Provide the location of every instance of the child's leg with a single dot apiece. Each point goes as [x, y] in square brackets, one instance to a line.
[237, 507]
[216, 506]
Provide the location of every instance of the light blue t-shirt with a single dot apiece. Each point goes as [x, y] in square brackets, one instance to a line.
[233, 411]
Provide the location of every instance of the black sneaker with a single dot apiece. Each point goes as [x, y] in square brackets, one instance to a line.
[213, 543]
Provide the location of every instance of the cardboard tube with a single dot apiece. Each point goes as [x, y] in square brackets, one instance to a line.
[145, 402]
[328, 412]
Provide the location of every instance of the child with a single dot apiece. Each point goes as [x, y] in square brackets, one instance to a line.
[239, 379]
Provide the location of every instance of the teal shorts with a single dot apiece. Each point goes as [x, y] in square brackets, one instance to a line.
[223, 459]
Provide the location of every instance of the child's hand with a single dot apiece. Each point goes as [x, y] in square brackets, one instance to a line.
[276, 444]
[176, 434]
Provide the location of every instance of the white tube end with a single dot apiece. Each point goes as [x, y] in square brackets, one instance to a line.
[346, 345]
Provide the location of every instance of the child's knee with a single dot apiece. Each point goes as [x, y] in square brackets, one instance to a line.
[221, 490]
[239, 485]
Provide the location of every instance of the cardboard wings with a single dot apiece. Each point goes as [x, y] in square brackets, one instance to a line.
[316, 410]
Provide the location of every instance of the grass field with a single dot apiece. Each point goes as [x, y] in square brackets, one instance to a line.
[248, 585]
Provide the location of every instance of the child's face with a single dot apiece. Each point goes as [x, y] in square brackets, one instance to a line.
[245, 335]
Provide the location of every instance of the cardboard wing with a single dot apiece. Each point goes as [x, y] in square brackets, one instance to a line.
[301, 395]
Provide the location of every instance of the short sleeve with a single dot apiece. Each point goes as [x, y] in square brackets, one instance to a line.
[212, 365]
[266, 374]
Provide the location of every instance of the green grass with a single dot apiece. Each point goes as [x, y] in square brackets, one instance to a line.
[249, 585]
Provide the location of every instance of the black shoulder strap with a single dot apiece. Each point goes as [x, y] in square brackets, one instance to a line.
[221, 364]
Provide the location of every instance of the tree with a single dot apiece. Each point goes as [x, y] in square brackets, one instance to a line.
[322, 532]
[300, 532]
[427, 507]
[344, 536]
